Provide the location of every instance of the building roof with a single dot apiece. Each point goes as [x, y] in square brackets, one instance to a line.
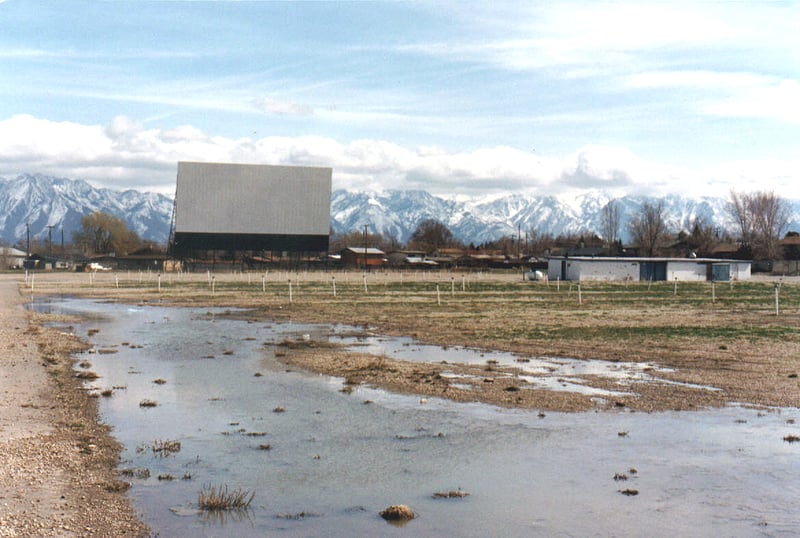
[9, 251]
[644, 259]
[369, 251]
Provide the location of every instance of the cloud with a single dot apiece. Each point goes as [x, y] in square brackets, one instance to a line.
[283, 108]
[730, 94]
[127, 154]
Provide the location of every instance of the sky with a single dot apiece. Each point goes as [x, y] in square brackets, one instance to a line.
[461, 99]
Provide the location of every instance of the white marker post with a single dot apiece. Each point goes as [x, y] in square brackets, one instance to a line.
[333, 284]
[438, 296]
[290, 290]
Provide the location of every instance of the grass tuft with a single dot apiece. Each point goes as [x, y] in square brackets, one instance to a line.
[219, 498]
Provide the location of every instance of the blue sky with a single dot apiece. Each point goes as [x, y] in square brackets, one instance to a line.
[457, 98]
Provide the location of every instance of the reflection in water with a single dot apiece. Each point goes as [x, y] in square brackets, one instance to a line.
[717, 472]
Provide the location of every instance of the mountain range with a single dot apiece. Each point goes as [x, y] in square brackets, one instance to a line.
[50, 206]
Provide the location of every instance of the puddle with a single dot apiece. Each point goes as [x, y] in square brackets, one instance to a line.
[559, 374]
[334, 462]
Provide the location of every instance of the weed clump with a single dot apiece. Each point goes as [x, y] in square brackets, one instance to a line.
[219, 498]
[455, 494]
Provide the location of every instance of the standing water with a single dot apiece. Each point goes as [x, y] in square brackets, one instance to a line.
[322, 462]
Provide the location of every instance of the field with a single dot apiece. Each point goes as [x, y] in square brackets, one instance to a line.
[712, 344]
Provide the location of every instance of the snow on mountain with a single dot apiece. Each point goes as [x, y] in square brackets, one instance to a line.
[42, 201]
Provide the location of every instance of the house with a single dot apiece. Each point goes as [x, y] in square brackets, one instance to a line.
[363, 256]
[12, 258]
[146, 259]
[647, 269]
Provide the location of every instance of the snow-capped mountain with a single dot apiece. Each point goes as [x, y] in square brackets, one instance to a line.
[397, 214]
[42, 201]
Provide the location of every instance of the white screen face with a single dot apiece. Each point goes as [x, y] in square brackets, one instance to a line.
[252, 199]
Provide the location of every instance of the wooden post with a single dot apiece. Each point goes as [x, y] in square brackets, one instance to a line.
[452, 286]
[713, 291]
[290, 290]
[675, 290]
[438, 296]
[333, 282]
[213, 285]
[365, 284]
[777, 302]
[580, 299]
[159, 283]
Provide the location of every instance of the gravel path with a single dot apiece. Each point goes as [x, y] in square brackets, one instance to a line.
[57, 463]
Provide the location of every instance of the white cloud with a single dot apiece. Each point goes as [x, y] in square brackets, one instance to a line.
[283, 108]
[730, 94]
[776, 100]
[126, 154]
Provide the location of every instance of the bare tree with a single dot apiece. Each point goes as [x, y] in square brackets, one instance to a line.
[356, 239]
[648, 228]
[610, 224]
[539, 242]
[102, 233]
[431, 235]
[761, 218]
[703, 238]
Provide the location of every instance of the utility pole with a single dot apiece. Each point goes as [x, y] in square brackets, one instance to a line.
[366, 226]
[50, 240]
[28, 248]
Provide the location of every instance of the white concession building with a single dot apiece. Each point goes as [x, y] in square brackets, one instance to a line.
[647, 269]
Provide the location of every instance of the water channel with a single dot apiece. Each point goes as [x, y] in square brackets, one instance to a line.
[322, 462]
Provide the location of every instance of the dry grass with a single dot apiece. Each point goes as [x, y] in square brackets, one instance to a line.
[219, 498]
[453, 494]
[166, 446]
